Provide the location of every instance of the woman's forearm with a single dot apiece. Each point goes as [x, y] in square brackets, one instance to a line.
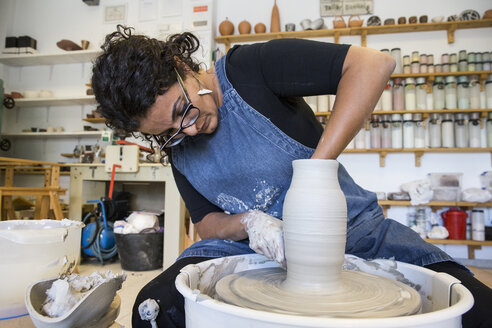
[222, 226]
[364, 75]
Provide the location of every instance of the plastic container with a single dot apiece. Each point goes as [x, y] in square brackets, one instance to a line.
[434, 131]
[33, 250]
[455, 223]
[446, 186]
[140, 251]
[444, 299]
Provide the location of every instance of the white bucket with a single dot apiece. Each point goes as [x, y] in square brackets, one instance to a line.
[30, 251]
[444, 299]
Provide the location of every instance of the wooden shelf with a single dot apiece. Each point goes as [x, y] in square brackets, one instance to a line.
[472, 244]
[450, 27]
[424, 112]
[55, 134]
[95, 120]
[419, 152]
[434, 203]
[59, 101]
[67, 57]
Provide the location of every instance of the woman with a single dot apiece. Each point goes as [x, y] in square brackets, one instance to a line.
[232, 132]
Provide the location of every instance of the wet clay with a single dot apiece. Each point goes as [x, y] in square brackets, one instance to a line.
[315, 221]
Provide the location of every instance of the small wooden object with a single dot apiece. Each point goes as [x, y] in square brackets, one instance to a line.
[339, 22]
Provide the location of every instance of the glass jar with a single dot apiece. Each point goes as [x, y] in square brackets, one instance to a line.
[360, 139]
[447, 131]
[375, 131]
[421, 93]
[387, 98]
[415, 67]
[488, 92]
[398, 95]
[460, 131]
[463, 93]
[451, 97]
[430, 59]
[406, 60]
[462, 55]
[463, 65]
[434, 131]
[421, 222]
[410, 94]
[474, 130]
[438, 93]
[474, 89]
[396, 131]
[386, 132]
[408, 131]
[419, 131]
[415, 56]
[396, 54]
[489, 130]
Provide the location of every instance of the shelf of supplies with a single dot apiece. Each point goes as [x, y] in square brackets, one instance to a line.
[437, 204]
[450, 27]
[472, 244]
[59, 101]
[425, 112]
[67, 57]
[95, 120]
[430, 77]
[419, 152]
[55, 134]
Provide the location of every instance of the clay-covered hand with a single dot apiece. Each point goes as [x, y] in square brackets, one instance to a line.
[265, 234]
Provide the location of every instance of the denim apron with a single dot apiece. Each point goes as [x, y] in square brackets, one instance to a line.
[247, 164]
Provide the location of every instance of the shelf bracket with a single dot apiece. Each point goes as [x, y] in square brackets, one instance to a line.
[451, 30]
[227, 44]
[382, 158]
[471, 251]
[385, 210]
[337, 37]
[363, 38]
[418, 155]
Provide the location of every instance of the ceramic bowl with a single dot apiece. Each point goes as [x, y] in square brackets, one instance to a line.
[374, 21]
[306, 24]
[317, 24]
[437, 19]
[45, 94]
[30, 94]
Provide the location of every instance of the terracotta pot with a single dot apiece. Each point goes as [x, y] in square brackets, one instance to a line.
[244, 27]
[226, 27]
[275, 21]
[355, 21]
[338, 22]
[487, 14]
[260, 28]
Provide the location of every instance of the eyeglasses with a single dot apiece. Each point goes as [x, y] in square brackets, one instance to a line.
[188, 118]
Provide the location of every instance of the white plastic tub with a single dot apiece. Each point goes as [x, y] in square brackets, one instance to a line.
[30, 251]
[444, 299]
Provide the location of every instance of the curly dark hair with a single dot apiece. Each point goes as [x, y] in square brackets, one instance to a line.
[133, 70]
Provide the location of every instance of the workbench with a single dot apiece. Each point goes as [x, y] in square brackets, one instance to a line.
[88, 182]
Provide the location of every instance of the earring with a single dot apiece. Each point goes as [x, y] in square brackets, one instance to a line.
[204, 91]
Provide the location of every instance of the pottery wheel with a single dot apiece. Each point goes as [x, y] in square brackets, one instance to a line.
[362, 295]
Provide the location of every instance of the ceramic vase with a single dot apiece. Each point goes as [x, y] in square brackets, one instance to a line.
[275, 21]
[315, 227]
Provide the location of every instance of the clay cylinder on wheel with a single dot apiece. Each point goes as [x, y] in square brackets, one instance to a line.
[315, 227]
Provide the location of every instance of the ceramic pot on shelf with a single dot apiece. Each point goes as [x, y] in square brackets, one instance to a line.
[244, 27]
[226, 27]
[260, 28]
[339, 22]
[314, 202]
[355, 21]
[275, 20]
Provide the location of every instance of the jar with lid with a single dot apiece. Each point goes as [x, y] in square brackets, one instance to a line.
[410, 94]
[489, 130]
[463, 92]
[419, 131]
[447, 131]
[360, 139]
[451, 96]
[398, 95]
[478, 224]
[421, 93]
[474, 130]
[375, 131]
[474, 89]
[408, 131]
[396, 54]
[438, 93]
[386, 132]
[460, 131]
[488, 92]
[396, 131]
[421, 222]
[434, 131]
[387, 98]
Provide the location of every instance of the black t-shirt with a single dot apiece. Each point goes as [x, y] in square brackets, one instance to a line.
[272, 78]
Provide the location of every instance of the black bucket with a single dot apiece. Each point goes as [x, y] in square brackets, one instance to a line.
[140, 251]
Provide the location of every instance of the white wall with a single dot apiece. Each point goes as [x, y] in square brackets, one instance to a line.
[51, 20]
